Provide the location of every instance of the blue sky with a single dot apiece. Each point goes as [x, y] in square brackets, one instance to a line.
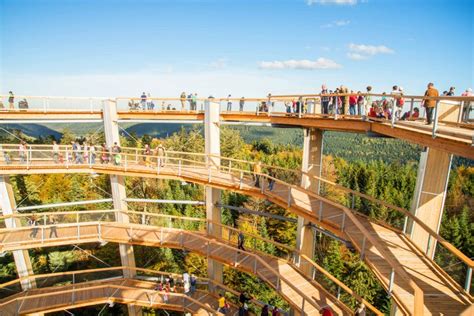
[243, 47]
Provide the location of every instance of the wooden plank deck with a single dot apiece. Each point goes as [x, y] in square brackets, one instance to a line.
[442, 296]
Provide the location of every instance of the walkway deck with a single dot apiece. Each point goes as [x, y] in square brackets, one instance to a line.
[389, 252]
[123, 291]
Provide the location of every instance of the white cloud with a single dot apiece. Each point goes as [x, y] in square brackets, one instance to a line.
[361, 51]
[320, 63]
[338, 2]
[219, 63]
[336, 23]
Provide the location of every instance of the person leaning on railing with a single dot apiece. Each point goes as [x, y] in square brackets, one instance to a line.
[257, 170]
[430, 104]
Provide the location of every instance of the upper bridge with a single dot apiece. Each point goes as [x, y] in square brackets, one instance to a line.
[448, 133]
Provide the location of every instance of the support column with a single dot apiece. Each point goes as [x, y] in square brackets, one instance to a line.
[21, 257]
[117, 184]
[429, 197]
[212, 147]
[312, 164]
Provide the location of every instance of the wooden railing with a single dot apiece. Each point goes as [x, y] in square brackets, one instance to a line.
[131, 158]
[228, 235]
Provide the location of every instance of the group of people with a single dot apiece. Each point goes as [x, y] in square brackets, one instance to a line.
[34, 223]
[22, 104]
[86, 153]
[169, 286]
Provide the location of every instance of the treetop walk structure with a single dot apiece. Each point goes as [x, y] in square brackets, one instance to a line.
[400, 252]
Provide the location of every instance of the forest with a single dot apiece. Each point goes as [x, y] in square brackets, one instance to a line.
[383, 168]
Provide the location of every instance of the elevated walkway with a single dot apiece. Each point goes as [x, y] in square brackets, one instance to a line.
[117, 290]
[417, 283]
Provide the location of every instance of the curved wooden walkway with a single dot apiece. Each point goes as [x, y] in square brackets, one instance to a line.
[300, 292]
[417, 284]
[121, 290]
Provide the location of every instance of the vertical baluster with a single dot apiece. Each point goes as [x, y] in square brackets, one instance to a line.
[390, 284]
[394, 110]
[435, 120]
[467, 284]
[289, 197]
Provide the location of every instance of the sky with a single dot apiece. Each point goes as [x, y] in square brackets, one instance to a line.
[239, 47]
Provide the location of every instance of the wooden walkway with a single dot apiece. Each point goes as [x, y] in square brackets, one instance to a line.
[389, 253]
[300, 292]
[118, 290]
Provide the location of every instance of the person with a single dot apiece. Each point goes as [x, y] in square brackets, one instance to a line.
[143, 101]
[55, 152]
[171, 283]
[222, 304]
[161, 153]
[345, 100]
[451, 91]
[241, 241]
[194, 101]
[414, 115]
[398, 101]
[11, 100]
[147, 155]
[241, 104]
[243, 299]
[275, 311]
[288, 105]
[53, 230]
[77, 153]
[269, 103]
[257, 170]
[193, 284]
[92, 153]
[429, 104]
[116, 150]
[22, 151]
[186, 283]
[467, 105]
[182, 98]
[166, 294]
[264, 310]
[229, 103]
[271, 180]
[23, 104]
[326, 311]
[104, 154]
[6, 156]
[352, 103]
[361, 310]
[324, 100]
[149, 103]
[367, 104]
[85, 153]
[33, 222]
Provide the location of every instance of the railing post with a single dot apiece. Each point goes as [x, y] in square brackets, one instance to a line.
[179, 168]
[28, 158]
[338, 295]
[390, 284]
[412, 104]
[428, 245]
[136, 155]
[302, 307]
[241, 179]
[320, 212]
[336, 107]
[435, 120]
[99, 230]
[362, 248]
[289, 197]
[42, 234]
[343, 221]
[467, 284]
[262, 185]
[353, 201]
[230, 166]
[405, 225]
[143, 219]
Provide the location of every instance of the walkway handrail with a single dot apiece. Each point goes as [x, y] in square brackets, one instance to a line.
[176, 276]
[136, 157]
[168, 158]
[205, 239]
[113, 286]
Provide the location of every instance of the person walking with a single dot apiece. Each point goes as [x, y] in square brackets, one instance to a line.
[324, 100]
[182, 98]
[186, 283]
[352, 103]
[241, 241]
[92, 154]
[22, 152]
[149, 103]
[222, 304]
[467, 105]
[104, 154]
[451, 91]
[367, 103]
[52, 228]
[11, 100]
[194, 102]
[275, 311]
[116, 150]
[361, 310]
[229, 103]
[265, 310]
[55, 152]
[33, 222]
[271, 180]
[143, 101]
[430, 104]
[193, 282]
[241, 104]
[257, 170]
[161, 154]
[147, 155]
